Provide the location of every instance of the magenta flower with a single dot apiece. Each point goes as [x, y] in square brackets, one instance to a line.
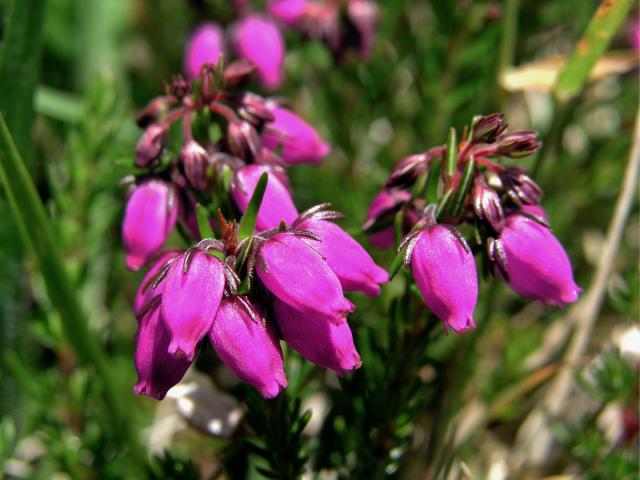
[535, 263]
[258, 39]
[151, 145]
[296, 274]
[146, 292]
[157, 370]
[276, 205]
[287, 11]
[295, 139]
[327, 344]
[196, 162]
[149, 217]
[205, 45]
[386, 201]
[248, 346]
[191, 295]
[536, 210]
[353, 266]
[445, 272]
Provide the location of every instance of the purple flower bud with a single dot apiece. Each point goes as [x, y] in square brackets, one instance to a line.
[488, 128]
[259, 40]
[248, 346]
[519, 144]
[151, 145]
[536, 264]
[146, 292]
[195, 161]
[365, 16]
[287, 11]
[295, 139]
[296, 274]
[244, 141]
[157, 370]
[445, 272]
[191, 295]
[406, 171]
[353, 266]
[327, 344]
[149, 217]
[204, 46]
[386, 203]
[276, 205]
[154, 110]
[487, 204]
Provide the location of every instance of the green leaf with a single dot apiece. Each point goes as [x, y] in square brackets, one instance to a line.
[601, 29]
[204, 226]
[397, 264]
[452, 153]
[19, 67]
[38, 235]
[248, 221]
[58, 105]
[463, 187]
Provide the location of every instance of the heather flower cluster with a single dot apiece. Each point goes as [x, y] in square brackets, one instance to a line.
[431, 198]
[278, 274]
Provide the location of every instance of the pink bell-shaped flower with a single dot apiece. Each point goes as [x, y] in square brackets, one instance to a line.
[295, 139]
[327, 344]
[383, 202]
[351, 263]
[205, 45]
[287, 11]
[157, 370]
[248, 346]
[191, 296]
[146, 292]
[276, 205]
[445, 272]
[149, 217]
[535, 263]
[296, 274]
[259, 40]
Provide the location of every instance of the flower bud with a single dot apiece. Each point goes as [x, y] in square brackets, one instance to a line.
[254, 110]
[151, 145]
[205, 45]
[287, 11]
[406, 171]
[257, 39]
[520, 187]
[154, 110]
[351, 263]
[157, 370]
[536, 265]
[295, 139]
[445, 272]
[487, 128]
[276, 205]
[248, 346]
[238, 72]
[244, 141]
[327, 344]
[487, 204]
[195, 162]
[191, 295]
[149, 217]
[364, 14]
[519, 144]
[296, 274]
[383, 209]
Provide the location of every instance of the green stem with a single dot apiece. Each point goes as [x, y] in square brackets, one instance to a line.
[38, 235]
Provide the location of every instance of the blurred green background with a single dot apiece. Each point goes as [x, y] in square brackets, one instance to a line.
[74, 73]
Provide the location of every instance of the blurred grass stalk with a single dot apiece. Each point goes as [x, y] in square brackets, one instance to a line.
[572, 79]
[38, 235]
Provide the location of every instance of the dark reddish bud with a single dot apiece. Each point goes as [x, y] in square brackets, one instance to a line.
[238, 72]
[195, 161]
[520, 187]
[244, 140]
[406, 171]
[519, 144]
[151, 145]
[255, 111]
[208, 85]
[486, 204]
[154, 110]
[364, 15]
[487, 129]
[179, 87]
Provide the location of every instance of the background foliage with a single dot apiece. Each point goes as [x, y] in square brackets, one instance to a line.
[73, 74]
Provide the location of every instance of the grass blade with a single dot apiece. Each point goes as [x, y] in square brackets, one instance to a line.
[248, 221]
